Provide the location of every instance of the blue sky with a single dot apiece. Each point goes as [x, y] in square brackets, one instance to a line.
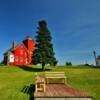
[74, 25]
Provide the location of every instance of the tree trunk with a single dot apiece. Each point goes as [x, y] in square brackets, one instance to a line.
[43, 68]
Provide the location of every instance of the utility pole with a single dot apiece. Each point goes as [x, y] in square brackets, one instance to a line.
[94, 53]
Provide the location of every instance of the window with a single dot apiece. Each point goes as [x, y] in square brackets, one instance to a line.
[30, 53]
[21, 59]
[25, 54]
[26, 61]
[16, 59]
[21, 52]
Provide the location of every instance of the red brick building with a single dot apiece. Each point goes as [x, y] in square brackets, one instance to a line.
[20, 54]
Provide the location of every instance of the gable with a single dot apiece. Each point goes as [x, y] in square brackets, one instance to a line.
[21, 47]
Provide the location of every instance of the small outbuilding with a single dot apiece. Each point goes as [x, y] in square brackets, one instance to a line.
[98, 61]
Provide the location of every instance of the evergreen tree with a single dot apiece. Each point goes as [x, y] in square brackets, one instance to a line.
[44, 53]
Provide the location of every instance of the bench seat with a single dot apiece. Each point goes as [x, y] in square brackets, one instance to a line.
[55, 75]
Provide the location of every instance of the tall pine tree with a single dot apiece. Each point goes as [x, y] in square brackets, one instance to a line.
[44, 53]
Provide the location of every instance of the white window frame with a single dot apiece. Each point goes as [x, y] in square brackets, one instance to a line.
[16, 58]
[21, 52]
[21, 59]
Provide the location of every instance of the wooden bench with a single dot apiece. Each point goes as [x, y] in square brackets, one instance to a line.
[55, 75]
[39, 83]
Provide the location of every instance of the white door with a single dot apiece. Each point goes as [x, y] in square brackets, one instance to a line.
[11, 58]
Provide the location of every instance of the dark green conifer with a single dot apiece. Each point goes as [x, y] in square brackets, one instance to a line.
[44, 53]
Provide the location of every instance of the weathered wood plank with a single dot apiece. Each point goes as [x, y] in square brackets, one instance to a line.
[60, 90]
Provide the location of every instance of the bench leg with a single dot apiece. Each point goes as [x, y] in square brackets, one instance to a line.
[36, 87]
[46, 80]
[44, 87]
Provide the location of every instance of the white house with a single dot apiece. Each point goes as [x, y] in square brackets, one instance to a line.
[98, 61]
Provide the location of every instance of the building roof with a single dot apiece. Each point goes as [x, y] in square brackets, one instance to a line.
[28, 38]
[98, 57]
[11, 50]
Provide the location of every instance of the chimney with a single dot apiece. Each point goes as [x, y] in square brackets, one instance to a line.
[95, 57]
[14, 44]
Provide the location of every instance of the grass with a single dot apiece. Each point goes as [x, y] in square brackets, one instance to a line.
[17, 83]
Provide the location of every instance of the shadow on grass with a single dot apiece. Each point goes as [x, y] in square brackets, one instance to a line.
[29, 90]
[30, 69]
[96, 67]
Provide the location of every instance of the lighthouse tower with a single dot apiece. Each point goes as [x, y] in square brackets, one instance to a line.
[30, 45]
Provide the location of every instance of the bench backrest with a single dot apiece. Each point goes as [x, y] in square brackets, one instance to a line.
[55, 74]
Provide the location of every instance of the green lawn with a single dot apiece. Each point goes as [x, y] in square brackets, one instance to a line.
[17, 83]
